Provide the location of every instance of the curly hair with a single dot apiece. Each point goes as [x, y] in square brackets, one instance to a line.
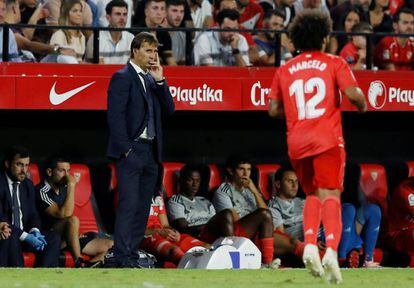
[309, 29]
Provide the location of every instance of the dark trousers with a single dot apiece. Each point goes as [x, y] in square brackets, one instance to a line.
[137, 178]
[11, 251]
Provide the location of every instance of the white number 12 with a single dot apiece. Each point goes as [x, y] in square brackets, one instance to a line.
[307, 110]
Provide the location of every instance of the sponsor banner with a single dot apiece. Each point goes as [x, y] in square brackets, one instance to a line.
[255, 93]
[206, 94]
[385, 91]
[66, 93]
[388, 91]
[7, 92]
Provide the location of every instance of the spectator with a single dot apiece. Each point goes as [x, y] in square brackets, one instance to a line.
[348, 20]
[71, 15]
[175, 17]
[56, 202]
[379, 20]
[252, 216]
[164, 241]
[265, 41]
[154, 16]
[28, 47]
[114, 46]
[201, 13]
[360, 228]
[33, 13]
[55, 12]
[337, 12]
[285, 5]
[310, 4]
[396, 53]
[401, 220]
[222, 48]
[18, 209]
[251, 14]
[13, 51]
[253, 51]
[355, 51]
[5, 233]
[195, 215]
[103, 14]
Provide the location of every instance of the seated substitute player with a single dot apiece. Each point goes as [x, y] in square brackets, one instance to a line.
[164, 241]
[195, 215]
[360, 229]
[252, 216]
[305, 90]
[56, 202]
[401, 222]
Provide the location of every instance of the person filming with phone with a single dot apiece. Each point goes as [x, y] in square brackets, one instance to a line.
[138, 97]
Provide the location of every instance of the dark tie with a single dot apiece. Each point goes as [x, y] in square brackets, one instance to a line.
[16, 208]
[151, 119]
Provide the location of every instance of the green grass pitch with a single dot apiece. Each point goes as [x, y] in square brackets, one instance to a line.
[169, 278]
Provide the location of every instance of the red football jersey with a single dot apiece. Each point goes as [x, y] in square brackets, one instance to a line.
[308, 85]
[389, 51]
[252, 17]
[401, 209]
[350, 53]
[157, 208]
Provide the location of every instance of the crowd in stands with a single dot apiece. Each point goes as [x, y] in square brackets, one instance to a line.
[224, 48]
[43, 219]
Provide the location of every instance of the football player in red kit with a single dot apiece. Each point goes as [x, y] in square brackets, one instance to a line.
[306, 92]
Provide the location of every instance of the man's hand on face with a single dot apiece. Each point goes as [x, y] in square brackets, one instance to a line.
[235, 41]
[155, 68]
[247, 182]
[70, 180]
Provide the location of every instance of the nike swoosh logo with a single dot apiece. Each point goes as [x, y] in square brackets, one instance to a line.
[57, 99]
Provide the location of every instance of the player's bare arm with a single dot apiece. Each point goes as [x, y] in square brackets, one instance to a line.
[66, 210]
[276, 109]
[357, 98]
[248, 183]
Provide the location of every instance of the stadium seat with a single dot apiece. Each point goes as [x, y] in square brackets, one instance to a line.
[215, 178]
[83, 199]
[113, 183]
[33, 173]
[410, 165]
[170, 177]
[29, 259]
[266, 172]
[373, 183]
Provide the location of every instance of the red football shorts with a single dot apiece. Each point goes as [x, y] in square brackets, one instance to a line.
[325, 170]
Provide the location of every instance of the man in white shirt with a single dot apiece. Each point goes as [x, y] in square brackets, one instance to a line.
[13, 52]
[222, 48]
[114, 46]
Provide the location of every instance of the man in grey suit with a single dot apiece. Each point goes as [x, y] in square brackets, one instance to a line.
[138, 98]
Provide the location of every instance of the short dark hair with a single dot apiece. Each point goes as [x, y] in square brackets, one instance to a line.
[405, 10]
[235, 160]
[309, 29]
[227, 13]
[115, 3]
[362, 27]
[143, 37]
[281, 172]
[53, 160]
[175, 3]
[185, 172]
[274, 12]
[147, 2]
[16, 150]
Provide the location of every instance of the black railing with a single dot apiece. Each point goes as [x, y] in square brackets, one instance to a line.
[188, 43]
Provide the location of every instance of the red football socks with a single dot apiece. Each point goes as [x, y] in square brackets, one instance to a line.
[311, 219]
[176, 255]
[332, 222]
[266, 247]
